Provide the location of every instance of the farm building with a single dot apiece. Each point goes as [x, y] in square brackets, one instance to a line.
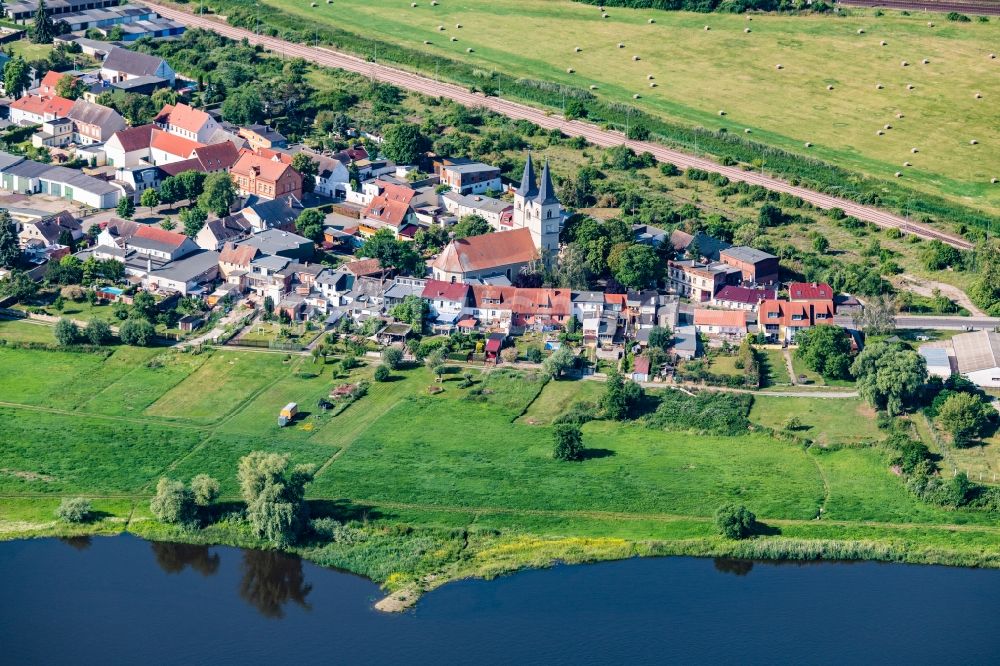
[978, 356]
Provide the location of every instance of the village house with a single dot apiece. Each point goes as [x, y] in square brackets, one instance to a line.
[136, 180]
[447, 302]
[277, 243]
[466, 176]
[122, 64]
[390, 209]
[212, 158]
[587, 304]
[236, 260]
[48, 230]
[262, 136]
[522, 308]
[721, 323]
[756, 267]
[258, 176]
[280, 213]
[504, 255]
[781, 320]
[697, 246]
[499, 214]
[699, 280]
[332, 173]
[742, 298]
[35, 110]
[187, 122]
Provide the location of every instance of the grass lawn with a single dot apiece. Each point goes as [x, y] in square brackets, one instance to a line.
[828, 420]
[775, 368]
[18, 330]
[28, 50]
[785, 107]
[557, 397]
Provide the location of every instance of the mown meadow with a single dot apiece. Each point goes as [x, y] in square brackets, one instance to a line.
[453, 483]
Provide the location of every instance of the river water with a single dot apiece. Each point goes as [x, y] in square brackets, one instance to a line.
[122, 600]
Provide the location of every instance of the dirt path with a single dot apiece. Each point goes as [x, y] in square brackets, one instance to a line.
[327, 57]
[788, 364]
[924, 287]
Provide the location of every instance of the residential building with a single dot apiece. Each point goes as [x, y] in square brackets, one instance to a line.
[219, 231]
[978, 357]
[94, 123]
[364, 268]
[756, 266]
[212, 158]
[54, 134]
[702, 244]
[537, 208]
[129, 147]
[647, 234]
[509, 307]
[48, 230]
[262, 136]
[447, 302]
[781, 320]
[390, 208]
[138, 179]
[279, 243]
[35, 110]
[742, 298]
[810, 291]
[506, 254]
[469, 177]
[699, 280]
[258, 176]
[721, 323]
[165, 148]
[122, 64]
[332, 174]
[235, 259]
[500, 214]
[187, 122]
[280, 213]
[587, 304]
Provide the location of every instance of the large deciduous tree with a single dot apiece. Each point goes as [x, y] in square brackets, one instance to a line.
[825, 349]
[635, 266]
[403, 143]
[275, 496]
[16, 77]
[889, 377]
[966, 417]
[391, 252]
[308, 168]
[218, 193]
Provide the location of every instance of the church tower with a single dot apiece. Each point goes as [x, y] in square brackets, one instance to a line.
[538, 209]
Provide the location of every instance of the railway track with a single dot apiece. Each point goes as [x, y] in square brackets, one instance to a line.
[977, 8]
[600, 137]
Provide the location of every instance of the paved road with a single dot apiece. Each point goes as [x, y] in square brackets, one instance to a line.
[933, 322]
[605, 138]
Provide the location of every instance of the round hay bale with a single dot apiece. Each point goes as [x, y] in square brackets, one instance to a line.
[861, 31]
[413, 4]
[722, 112]
[993, 56]
[636, 96]
[468, 50]
[653, 84]
[440, 27]
[910, 86]
[747, 30]
[930, 24]
[907, 164]
[888, 127]
[426, 42]
[434, 3]
[458, 25]
[707, 27]
[925, 61]
[748, 131]
[650, 77]
[651, 21]
[635, 58]
[604, 16]
[779, 66]
[621, 45]
[879, 133]
[454, 39]
[570, 70]
[829, 87]
[884, 43]
[879, 86]
[898, 174]
[809, 144]
[593, 87]
[979, 95]
[914, 150]
[905, 64]
[899, 115]
[994, 180]
[577, 49]
[313, 4]
[972, 142]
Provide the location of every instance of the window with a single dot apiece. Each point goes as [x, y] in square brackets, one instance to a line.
[772, 315]
[797, 317]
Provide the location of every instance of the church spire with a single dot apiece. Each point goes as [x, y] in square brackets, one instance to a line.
[528, 189]
[547, 193]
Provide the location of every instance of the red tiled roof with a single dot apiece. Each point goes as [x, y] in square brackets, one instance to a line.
[727, 318]
[641, 365]
[135, 138]
[239, 255]
[363, 267]
[218, 156]
[59, 107]
[387, 210]
[394, 192]
[446, 291]
[504, 248]
[173, 144]
[616, 299]
[800, 291]
[182, 116]
[524, 301]
[806, 312]
[745, 295]
[161, 235]
[268, 170]
[50, 81]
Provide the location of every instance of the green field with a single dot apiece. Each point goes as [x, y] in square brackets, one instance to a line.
[699, 72]
[474, 459]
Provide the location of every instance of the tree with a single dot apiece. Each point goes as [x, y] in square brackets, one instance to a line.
[392, 357]
[310, 224]
[309, 168]
[559, 362]
[173, 503]
[125, 208]
[471, 225]
[635, 266]
[243, 106]
[137, 332]
[888, 376]
[205, 489]
[825, 349]
[150, 199]
[435, 362]
[70, 87]
[143, 306]
[382, 373]
[10, 249]
[66, 332]
[171, 190]
[192, 183]
[966, 417]
[42, 30]
[391, 252]
[413, 310]
[821, 244]
[620, 397]
[193, 220]
[735, 521]
[16, 77]
[74, 510]
[879, 315]
[661, 337]
[97, 332]
[275, 496]
[19, 285]
[403, 143]
[431, 239]
[218, 193]
[567, 442]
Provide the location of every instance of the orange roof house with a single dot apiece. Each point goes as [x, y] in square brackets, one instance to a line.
[504, 253]
[185, 121]
[49, 83]
[783, 319]
[720, 322]
[165, 147]
[37, 109]
[527, 307]
[256, 175]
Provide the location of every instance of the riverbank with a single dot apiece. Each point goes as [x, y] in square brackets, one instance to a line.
[409, 560]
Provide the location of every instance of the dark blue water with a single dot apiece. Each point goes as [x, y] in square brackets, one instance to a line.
[122, 600]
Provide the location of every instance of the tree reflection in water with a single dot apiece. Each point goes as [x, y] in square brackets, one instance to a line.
[272, 579]
[735, 567]
[77, 542]
[175, 557]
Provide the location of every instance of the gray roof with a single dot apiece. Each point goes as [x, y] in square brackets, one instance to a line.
[273, 241]
[977, 351]
[748, 254]
[479, 202]
[398, 290]
[686, 339]
[79, 180]
[139, 82]
[547, 191]
[588, 297]
[7, 160]
[132, 62]
[280, 211]
[470, 167]
[709, 246]
[104, 117]
[339, 280]
[271, 262]
[188, 268]
[27, 169]
[937, 357]
[528, 188]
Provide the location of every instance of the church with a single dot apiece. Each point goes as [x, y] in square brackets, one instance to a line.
[537, 209]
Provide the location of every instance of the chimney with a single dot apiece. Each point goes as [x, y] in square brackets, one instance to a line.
[149, 265]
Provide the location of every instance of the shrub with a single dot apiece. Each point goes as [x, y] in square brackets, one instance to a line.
[173, 503]
[98, 332]
[735, 521]
[568, 442]
[205, 489]
[382, 373]
[392, 357]
[74, 510]
[534, 355]
[719, 413]
[66, 332]
[137, 332]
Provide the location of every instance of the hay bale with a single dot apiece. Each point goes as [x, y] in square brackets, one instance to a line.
[930, 24]
[413, 4]
[708, 27]
[905, 64]
[861, 31]
[972, 142]
[312, 4]
[879, 86]
[468, 50]
[994, 180]
[747, 131]
[458, 25]
[888, 127]
[914, 150]
[652, 21]
[604, 16]
[979, 95]
[925, 61]
[577, 49]
[829, 87]
[910, 86]
[907, 164]
[426, 42]
[746, 30]
[884, 43]
[779, 66]
[879, 133]
[993, 56]
[434, 3]
[899, 115]
[621, 45]
[650, 77]
[653, 84]
[636, 96]
[570, 70]
[593, 87]
[454, 39]
[635, 58]
[809, 144]
[722, 112]
[441, 27]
